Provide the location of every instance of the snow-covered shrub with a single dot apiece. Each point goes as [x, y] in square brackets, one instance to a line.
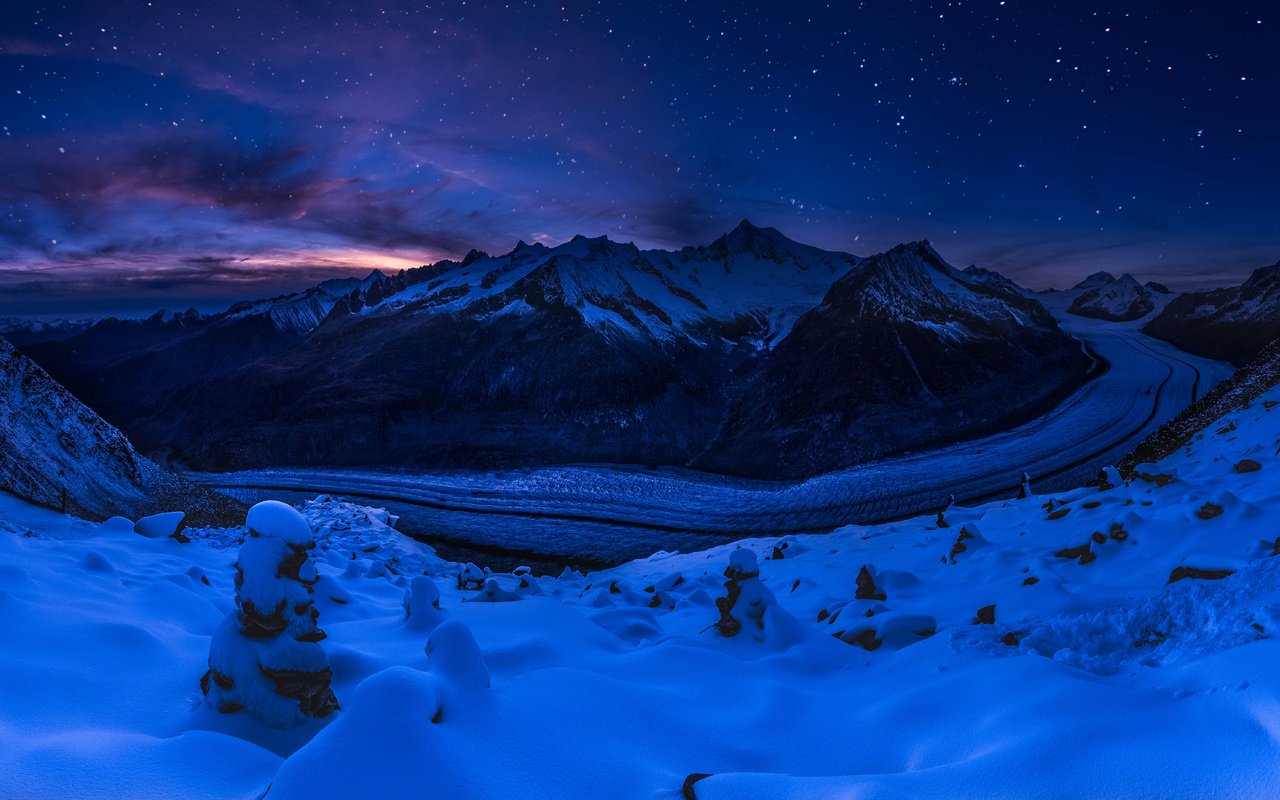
[265, 657]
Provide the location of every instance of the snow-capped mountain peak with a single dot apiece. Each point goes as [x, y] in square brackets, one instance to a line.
[912, 282]
[1104, 296]
[752, 274]
[1096, 280]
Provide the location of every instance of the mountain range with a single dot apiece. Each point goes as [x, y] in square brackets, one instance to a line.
[1232, 323]
[752, 355]
[1123, 299]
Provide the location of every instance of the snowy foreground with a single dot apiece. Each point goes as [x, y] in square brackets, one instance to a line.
[1031, 647]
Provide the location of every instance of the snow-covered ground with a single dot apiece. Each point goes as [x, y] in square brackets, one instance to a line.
[1094, 675]
[613, 513]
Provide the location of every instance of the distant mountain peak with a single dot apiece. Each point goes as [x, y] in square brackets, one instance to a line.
[524, 248]
[766, 243]
[921, 249]
[1107, 297]
[166, 317]
[1096, 280]
[586, 247]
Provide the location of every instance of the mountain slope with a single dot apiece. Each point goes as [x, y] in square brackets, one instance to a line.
[903, 351]
[1232, 324]
[590, 351]
[1249, 382]
[56, 452]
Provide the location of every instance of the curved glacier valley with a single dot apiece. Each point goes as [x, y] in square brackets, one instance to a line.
[601, 514]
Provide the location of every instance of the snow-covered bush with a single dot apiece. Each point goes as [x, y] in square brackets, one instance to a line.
[265, 657]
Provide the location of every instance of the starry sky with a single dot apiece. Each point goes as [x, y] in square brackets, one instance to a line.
[168, 154]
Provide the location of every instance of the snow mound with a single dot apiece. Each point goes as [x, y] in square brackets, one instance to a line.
[280, 521]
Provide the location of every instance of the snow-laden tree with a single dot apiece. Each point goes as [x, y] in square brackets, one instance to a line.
[265, 657]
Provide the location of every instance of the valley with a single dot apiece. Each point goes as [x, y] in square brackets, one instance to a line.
[608, 513]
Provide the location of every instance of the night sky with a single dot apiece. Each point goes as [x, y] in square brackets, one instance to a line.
[170, 154]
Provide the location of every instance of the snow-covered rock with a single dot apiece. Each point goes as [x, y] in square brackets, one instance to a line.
[266, 658]
[160, 526]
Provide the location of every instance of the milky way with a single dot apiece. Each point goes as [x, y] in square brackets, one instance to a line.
[168, 154]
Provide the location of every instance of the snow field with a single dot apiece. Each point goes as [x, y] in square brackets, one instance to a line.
[1041, 652]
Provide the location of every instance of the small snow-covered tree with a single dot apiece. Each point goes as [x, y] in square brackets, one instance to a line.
[265, 657]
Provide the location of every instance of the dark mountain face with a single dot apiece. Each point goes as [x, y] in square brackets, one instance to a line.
[904, 351]
[1232, 324]
[56, 452]
[590, 351]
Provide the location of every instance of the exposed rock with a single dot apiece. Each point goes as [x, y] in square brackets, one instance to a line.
[1179, 573]
[866, 585]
